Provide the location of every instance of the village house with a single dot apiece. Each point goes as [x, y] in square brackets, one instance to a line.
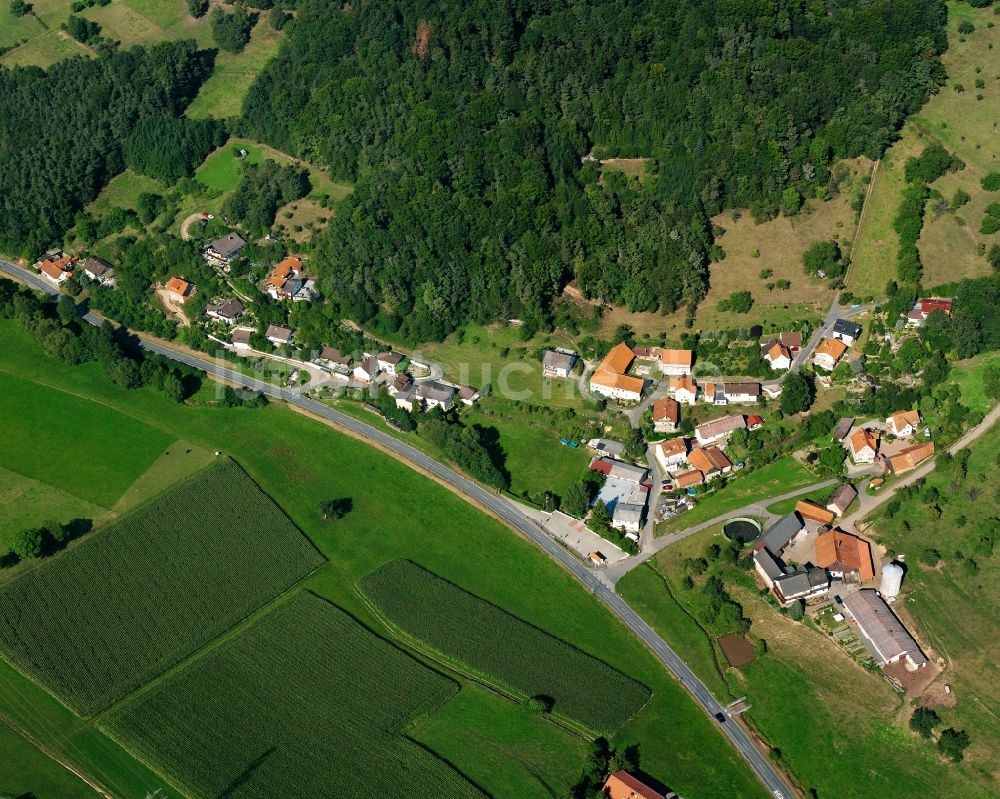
[333, 359]
[863, 446]
[666, 415]
[689, 479]
[684, 390]
[388, 361]
[741, 392]
[222, 251]
[718, 429]
[804, 584]
[710, 461]
[847, 332]
[714, 394]
[611, 379]
[101, 272]
[793, 341]
[812, 512]
[754, 422]
[909, 458]
[628, 517]
[778, 356]
[55, 266]
[468, 395]
[179, 290]
[279, 335]
[845, 556]
[829, 353]
[842, 499]
[402, 384]
[366, 369]
[772, 390]
[767, 566]
[288, 281]
[670, 453]
[558, 362]
[619, 470]
[241, 339]
[622, 785]
[605, 446]
[928, 304]
[883, 635]
[915, 318]
[903, 423]
[429, 395]
[673, 362]
[226, 311]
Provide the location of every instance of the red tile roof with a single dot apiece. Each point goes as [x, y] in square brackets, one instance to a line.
[668, 409]
[622, 785]
[845, 552]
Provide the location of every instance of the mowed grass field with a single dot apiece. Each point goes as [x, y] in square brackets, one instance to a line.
[25, 771]
[303, 694]
[967, 127]
[100, 620]
[74, 444]
[492, 644]
[532, 454]
[968, 375]
[780, 477]
[953, 605]
[840, 729]
[398, 513]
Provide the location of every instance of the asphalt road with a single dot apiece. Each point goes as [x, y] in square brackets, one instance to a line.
[496, 504]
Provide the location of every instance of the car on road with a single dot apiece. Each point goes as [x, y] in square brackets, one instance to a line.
[721, 718]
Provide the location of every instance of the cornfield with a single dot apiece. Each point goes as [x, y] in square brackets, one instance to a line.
[502, 648]
[103, 618]
[306, 702]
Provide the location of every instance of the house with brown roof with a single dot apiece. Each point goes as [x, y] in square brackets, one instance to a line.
[791, 340]
[903, 423]
[288, 281]
[279, 334]
[55, 266]
[741, 392]
[223, 250]
[845, 556]
[673, 362]
[778, 356]
[684, 390]
[179, 290]
[622, 785]
[829, 353]
[611, 379]
[99, 271]
[718, 429]
[227, 311]
[388, 361]
[333, 358]
[689, 479]
[842, 499]
[671, 452]
[666, 415]
[710, 461]
[241, 339]
[863, 446]
[909, 458]
[813, 512]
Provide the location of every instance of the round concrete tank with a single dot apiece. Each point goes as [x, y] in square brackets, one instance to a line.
[892, 579]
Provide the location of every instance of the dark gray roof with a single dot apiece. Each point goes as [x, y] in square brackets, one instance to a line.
[843, 327]
[228, 309]
[334, 355]
[438, 392]
[843, 496]
[770, 565]
[554, 359]
[801, 582]
[228, 245]
[96, 267]
[843, 428]
[780, 533]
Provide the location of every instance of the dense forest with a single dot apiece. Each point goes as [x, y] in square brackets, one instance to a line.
[465, 128]
[63, 131]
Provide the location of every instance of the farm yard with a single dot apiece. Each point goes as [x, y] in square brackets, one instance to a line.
[326, 697]
[98, 621]
[495, 645]
[300, 463]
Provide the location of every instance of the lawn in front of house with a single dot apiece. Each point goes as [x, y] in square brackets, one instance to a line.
[968, 375]
[780, 477]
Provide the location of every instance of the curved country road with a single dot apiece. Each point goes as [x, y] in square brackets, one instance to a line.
[738, 737]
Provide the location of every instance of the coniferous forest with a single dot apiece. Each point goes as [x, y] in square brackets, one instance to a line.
[465, 125]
